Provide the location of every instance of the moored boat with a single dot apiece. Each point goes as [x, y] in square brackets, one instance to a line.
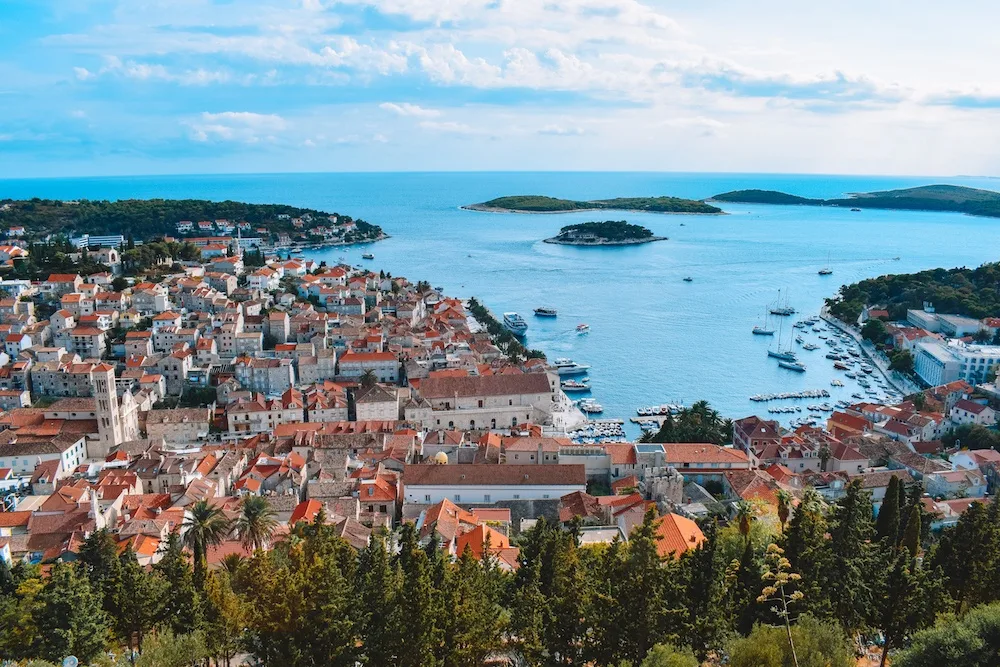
[762, 331]
[569, 367]
[792, 366]
[544, 311]
[515, 323]
[574, 386]
[367, 255]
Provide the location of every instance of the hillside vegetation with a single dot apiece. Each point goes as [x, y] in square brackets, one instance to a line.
[961, 291]
[611, 231]
[954, 198]
[150, 218]
[543, 204]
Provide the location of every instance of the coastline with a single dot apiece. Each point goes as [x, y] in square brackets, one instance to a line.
[651, 239]
[479, 208]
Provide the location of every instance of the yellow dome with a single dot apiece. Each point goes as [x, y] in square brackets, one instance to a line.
[441, 458]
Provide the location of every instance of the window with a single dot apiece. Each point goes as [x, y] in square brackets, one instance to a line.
[545, 496]
[486, 498]
[458, 498]
[517, 496]
[480, 403]
[427, 498]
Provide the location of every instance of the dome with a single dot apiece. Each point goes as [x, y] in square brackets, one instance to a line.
[441, 458]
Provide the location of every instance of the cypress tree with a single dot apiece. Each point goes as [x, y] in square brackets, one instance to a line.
[887, 524]
[474, 625]
[99, 559]
[703, 575]
[417, 629]
[180, 605]
[808, 550]
[378, 589]
[911, 535]
[849, 584]
[69, 617]
[967, 557]
[135, 602]
[529, 610]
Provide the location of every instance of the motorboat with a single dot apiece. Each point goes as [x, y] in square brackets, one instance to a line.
[762, 331]
[574, 386]
[582, 328]
[792, 366]
[515, 323]
[833, 355]
[855, 210]
[545, 312]
[590, 406]
[800, 340]
[367, 255]
[841, 366]
[688, 279]
[825, 272]
[836, 383]
[570, 367]
[810, 347]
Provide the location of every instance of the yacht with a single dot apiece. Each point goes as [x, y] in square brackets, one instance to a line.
[367, 255]
[688, 279]
[826, 272]
[574, 385]
[515, 323]
[570, 367]
[810, 347]
[782, 310]
[590, 406]
[545, 312]
[840, 366]
[762, 331]
[788, 356]
[855, 210]
[799, 340]
[792, 366]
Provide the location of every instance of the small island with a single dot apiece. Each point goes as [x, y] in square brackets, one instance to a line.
[609, 232]
[951, 198]
[542, 204]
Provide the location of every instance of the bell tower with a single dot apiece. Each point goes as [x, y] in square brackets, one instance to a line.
[109, 421]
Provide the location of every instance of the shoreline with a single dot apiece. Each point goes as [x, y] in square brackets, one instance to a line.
[652, 239]
[479, 208]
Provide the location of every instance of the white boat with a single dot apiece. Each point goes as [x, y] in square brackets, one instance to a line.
[569, 367]
[810, 347]
[515, 323]
[792, 366]
[762, 331]
[590, 406]
[574, 386]
[545, 312]
[582, 328]
[367, 255]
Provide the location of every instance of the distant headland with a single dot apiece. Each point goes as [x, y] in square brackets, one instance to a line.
[952, 198]
[609, 232]
[542, 204]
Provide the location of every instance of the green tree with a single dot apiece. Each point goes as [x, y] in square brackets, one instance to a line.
[874, 330]
[818, 644]
[908, 601]
[205, 526]
[784, 507]
[256, 523]
[169, 650]
[99, 561]
[418, 631]
[368, 379]
[902, 361]
[378, 583]
[911, 534]
[225, 618]
[180, 606]
[808, 550]
[849, 581]
[528, 614]
[664, 655]
[69, 617]
[474, 621]
[967, 557]
[887, 523]
[134, 611]
[972, 640]
[703, 574]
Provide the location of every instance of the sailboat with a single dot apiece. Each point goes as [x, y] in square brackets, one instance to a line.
[783, 310]
[826, 270]
[761, 329]
[779, 354]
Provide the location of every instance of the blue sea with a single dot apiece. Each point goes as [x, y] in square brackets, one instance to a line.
[654, 338]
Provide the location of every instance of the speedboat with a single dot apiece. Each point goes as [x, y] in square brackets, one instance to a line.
[840, 366]
[799, 340]
[582, 328]
[545, 312]
[515, 323]
[590, 406]
[574, 385]
[762, 331]
[792, 366]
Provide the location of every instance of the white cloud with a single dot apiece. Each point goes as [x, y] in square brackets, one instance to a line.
[83, 74]
[237, 126]
[407, 109]
[562, 131]
[449, 126]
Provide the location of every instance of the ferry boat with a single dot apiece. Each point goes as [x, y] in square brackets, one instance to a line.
[582, 328]
[545, 312]
[515, 323]
[762, 331]
[574, 385]
[569, 367]
[792, 366]
[367, 255]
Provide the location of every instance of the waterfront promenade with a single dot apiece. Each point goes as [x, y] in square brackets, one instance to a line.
[898, 382]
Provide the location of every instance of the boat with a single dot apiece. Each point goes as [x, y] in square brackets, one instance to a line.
[867, 369]
[761, 331]
[367, 255]
[799, 340]
[851, 374]
[574, 385]
[582, 328]
[515, 323]
[841, 366]
[833, 355]
[569, 367]
[688, 279]
[792, 366]
[590, 406]
[782, 310]
[895, 259]
[782, 356]
[810, 347]
[297, 251]
[545, 312]
[836, 383]
[855, 210]
[825, 272]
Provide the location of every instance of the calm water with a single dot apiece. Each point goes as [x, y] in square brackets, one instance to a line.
[654, 338]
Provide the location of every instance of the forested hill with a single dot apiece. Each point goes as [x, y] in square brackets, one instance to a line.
[954, 198]
[543, 204]
[149, 218]
[961, 291]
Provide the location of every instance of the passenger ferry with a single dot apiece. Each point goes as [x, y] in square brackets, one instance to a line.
[515, 323]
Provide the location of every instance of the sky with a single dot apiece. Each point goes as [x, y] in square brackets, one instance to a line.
[108, 87]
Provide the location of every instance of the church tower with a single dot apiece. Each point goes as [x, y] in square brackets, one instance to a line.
[109, 422]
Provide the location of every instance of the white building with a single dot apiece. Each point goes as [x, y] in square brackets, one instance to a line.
[969, 412]
[385, 365]
[475, 483]
[938, 363]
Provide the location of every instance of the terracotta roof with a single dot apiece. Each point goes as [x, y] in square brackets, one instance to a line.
[970, 406]
[498, 475]
[488, 385]
[676, 534]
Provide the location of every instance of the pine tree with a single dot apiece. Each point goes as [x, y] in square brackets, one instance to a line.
[528, 612]
[911, 535]
[907, 602]
[378, 589]
[808, 550]
[69, 617]
[967, 557]
[326, 622]
[417, 627]
[887, 524]
[474, 626]
[850, 579]
[225, 618]
[180, 604]
[99, 560]
[703, 574]
[569, 599]
[135, 603]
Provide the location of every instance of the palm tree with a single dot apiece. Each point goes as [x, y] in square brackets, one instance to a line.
[256, 524]
[745, 515]
[205, 526]
[368, 378]
[232, 563]
[784, 507]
